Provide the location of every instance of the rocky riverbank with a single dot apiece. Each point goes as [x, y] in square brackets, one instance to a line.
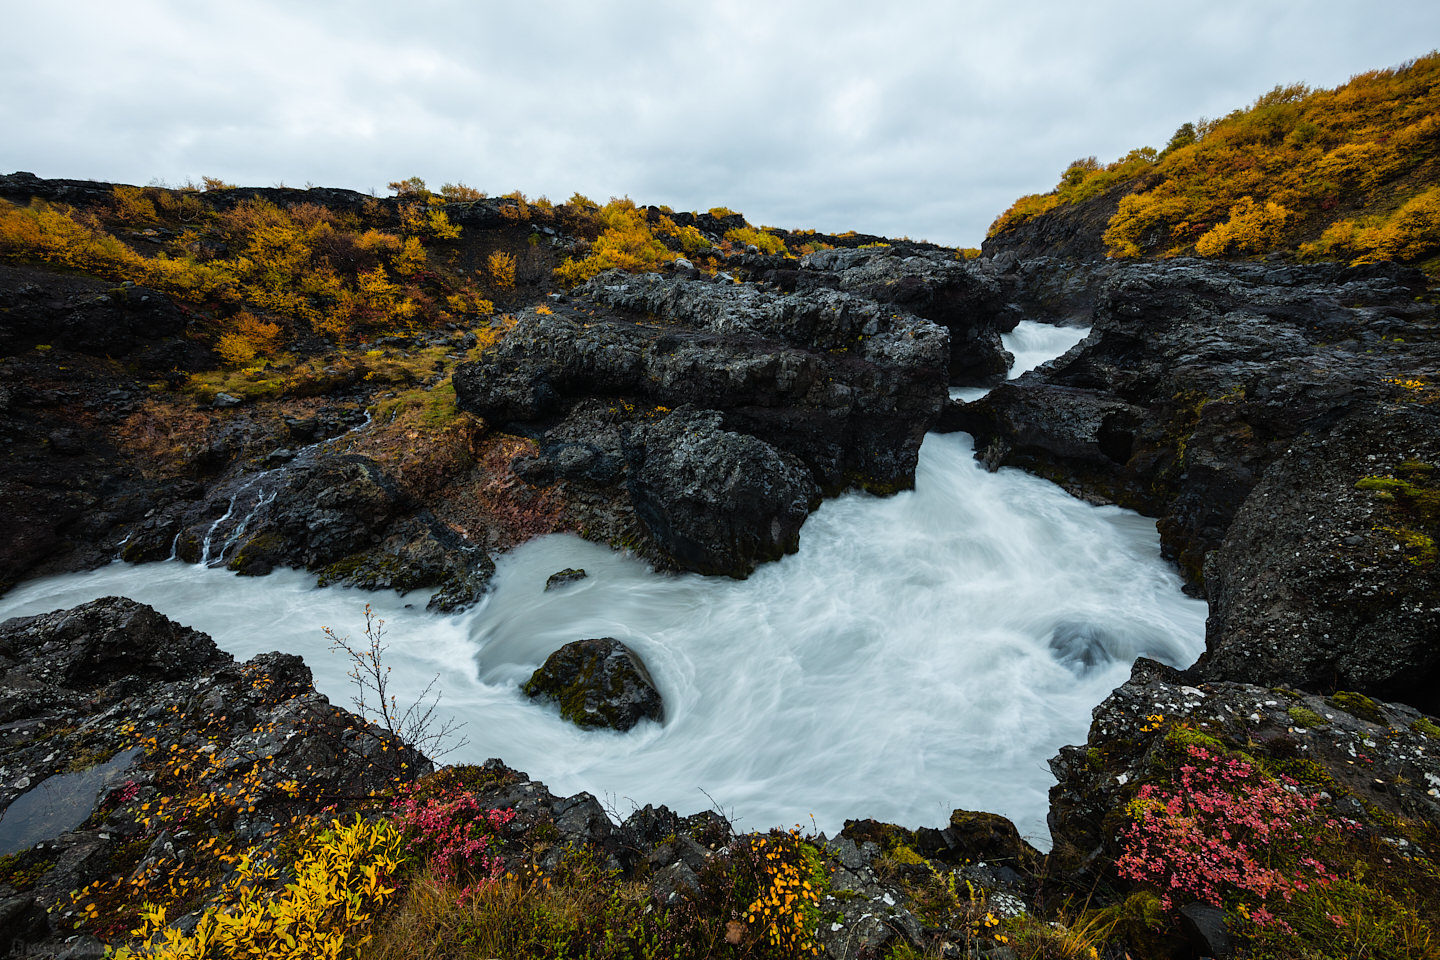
[183, 776]
[1280, 422]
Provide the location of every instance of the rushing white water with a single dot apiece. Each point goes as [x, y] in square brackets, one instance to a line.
[921, 652]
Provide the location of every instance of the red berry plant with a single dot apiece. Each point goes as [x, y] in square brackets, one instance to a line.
[454, 833]
[1226, 832]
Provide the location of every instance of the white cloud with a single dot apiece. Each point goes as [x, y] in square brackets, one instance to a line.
[922, 118]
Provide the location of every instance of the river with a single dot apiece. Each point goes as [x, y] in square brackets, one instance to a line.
[920, 652]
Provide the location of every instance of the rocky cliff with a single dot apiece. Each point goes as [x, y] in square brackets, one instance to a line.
[1281, 423]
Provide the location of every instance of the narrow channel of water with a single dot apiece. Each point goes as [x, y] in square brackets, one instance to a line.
[921, 652]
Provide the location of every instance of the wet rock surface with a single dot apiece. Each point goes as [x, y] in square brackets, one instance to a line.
[337, 515]
[718, 502]
[563, 578]
[598, 683]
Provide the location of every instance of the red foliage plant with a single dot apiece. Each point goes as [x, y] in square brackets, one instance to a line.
[454, 832]
[1226, 829]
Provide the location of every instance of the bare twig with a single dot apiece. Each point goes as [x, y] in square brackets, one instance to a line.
[416, 725]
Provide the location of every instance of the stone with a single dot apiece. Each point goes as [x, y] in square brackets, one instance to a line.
[598, 683]
[1204, 926]
[717, 502]
[564, 578]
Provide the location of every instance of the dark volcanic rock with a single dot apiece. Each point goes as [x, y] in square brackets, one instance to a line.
[843, 384]
[958, 295]
[1197, 380]
[47, 657]
[74, 350]
[718, 502]
[598, 683]
[563, 578]
[1325, 579]
[339, 516]
[114, 683]
[92, 317]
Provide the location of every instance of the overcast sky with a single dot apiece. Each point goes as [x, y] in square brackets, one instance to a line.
[923, 119]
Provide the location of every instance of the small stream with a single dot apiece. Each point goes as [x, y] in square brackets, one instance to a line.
[921, 652]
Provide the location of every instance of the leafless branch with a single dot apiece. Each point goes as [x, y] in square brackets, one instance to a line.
[417, 724]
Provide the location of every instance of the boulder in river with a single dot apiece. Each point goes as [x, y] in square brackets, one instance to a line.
[598, 683]
[563, 578]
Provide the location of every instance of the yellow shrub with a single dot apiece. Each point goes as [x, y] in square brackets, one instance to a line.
[1252, 228]
[691, 240]
[519, 211]
[248, 338]
[439, 227]
[501, 268]
[410, 259]
[378, 243]
[1414, 231]
[1143, 216]
[421, 220]
[469, 302]
[765, 242]
[409, 187]
[625, 243]
[181, 205]
[53, 234]
[460, 192]
[1411, 233]
[132, 206]
[327, 912]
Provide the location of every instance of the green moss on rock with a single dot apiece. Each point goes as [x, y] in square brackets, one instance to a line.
[597, 683]
[1357, 705]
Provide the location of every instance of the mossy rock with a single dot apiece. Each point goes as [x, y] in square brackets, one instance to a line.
[258, 556]
[598, 683]
[1358, 705]
[1426, 727]
[565, 577]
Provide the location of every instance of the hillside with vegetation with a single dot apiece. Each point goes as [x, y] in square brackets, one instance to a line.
[1349, 174]
[272, 269]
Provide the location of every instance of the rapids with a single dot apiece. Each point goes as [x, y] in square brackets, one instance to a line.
[919, 653]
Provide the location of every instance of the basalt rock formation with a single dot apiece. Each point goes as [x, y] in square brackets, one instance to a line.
[700, 420]
[113, 680]
[62, 421]
[961, 296]
[1264, 413]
